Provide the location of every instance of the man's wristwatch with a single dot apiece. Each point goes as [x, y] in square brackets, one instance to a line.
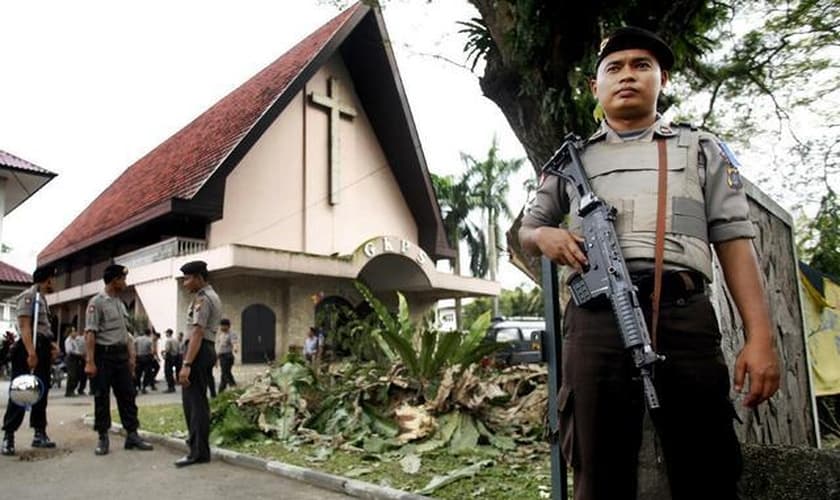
[187, 365]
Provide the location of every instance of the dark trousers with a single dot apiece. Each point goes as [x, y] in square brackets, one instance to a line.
[75, 368]
[83, 378]
[169, 370]
[196, 405]
[113, 372]
[38, 414]
[145, 371]
[602, 407]
[211, 380]
[226, 378]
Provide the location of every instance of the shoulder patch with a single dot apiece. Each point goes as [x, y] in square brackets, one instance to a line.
[733, 176]
[91, 309]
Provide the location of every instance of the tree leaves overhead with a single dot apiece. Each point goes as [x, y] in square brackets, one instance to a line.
[540, 55]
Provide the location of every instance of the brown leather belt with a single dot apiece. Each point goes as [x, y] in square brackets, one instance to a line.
[675, 285]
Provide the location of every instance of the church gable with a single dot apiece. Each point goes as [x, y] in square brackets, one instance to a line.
[317, 181]
[179, 188]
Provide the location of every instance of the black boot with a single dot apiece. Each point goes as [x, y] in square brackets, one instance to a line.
[134, 441]
[41, 440]
[8, 448]
[102, 445]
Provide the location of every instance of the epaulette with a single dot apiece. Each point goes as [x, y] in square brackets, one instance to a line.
[690, 125]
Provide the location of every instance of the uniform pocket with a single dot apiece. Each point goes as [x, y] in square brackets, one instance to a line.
[566, 410]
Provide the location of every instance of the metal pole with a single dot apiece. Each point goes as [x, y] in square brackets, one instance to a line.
[552, 345]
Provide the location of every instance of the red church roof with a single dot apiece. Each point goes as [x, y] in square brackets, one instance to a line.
[179, 167]
[11, 274]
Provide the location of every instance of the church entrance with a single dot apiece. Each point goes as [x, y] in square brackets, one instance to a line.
[258, 334]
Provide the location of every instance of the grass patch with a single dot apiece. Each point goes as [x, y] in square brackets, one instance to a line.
[523, 473]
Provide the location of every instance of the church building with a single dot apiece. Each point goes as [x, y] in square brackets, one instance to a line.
[307, 177]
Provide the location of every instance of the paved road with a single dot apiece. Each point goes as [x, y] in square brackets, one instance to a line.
[72, 471]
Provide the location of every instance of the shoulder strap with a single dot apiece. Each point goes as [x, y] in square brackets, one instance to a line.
[659, 256]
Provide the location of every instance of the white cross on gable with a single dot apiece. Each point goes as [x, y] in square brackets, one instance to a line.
[337, 109]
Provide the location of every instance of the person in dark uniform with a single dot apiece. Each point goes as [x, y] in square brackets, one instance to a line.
[203, 318]
[28, 356]
[111, 361]
[74, 362]
[143, 350]
[227, 347]
[171, 352]
[601, 399]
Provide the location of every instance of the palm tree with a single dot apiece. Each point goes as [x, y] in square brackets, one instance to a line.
[488, 180]
[456, 204]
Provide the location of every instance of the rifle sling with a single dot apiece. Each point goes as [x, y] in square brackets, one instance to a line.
[659, 257]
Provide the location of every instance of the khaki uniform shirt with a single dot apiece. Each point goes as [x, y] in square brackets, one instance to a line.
[26, 307]
[725, 204]
[107, 318]
[224, 344]
[171, 346]
[205, 311]
[143, 345]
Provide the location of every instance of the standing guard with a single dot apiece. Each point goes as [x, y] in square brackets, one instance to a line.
[111, 361]
[26, 357]
[203, 318]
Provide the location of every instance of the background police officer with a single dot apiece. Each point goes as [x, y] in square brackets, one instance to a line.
[226, 347]
[203, 318]
[143, 350]
[28, 356]
[111, 361]
[171, 353]
[601, 403]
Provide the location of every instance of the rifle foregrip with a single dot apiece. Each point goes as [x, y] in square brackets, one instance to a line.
[625, 310]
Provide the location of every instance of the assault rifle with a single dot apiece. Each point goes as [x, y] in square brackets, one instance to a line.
[606, 273]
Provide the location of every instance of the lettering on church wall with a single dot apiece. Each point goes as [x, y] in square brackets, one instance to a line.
[386, 244]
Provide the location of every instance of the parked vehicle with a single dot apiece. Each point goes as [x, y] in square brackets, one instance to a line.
[523, 336]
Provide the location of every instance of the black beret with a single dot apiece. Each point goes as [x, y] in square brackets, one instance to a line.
[195, 267]
[631, 37]
[225, 321]
[43, 273]
[113, 272]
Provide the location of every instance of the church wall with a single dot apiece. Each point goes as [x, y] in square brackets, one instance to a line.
[278, 196]
[263, 203]
[239, 292]
[370, 202]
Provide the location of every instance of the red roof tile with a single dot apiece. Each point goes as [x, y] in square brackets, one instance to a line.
[180, 166]
[11, 161]
[11, 274]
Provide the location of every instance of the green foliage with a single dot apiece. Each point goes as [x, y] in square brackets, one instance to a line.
[457, 204]
[479, 42]
[228, 422]
[489, 186]
[819, 240]
[350, 334]
[426, 352]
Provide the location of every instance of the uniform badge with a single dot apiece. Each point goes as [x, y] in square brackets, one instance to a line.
[733, 176]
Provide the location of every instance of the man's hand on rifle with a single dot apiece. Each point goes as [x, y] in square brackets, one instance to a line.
[561, 245]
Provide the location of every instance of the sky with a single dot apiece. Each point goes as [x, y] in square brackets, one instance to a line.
[89, 87]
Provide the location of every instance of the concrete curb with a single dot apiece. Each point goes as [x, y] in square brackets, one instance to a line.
[324, 480]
